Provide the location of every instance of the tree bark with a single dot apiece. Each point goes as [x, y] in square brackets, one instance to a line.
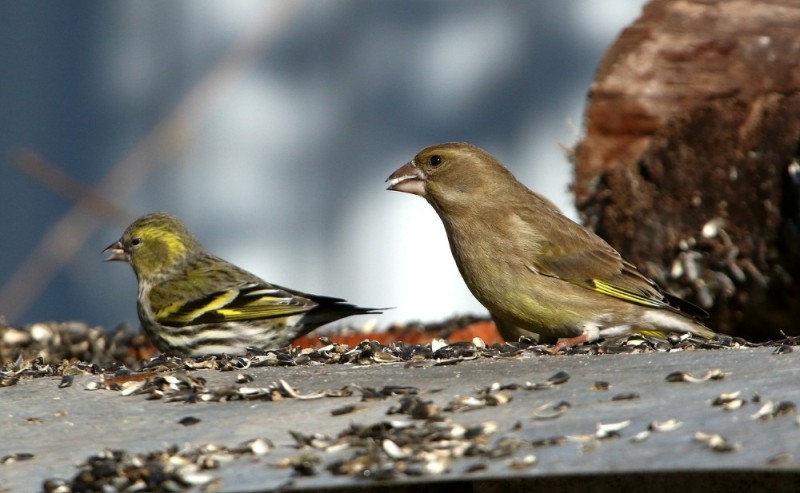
[689, 163]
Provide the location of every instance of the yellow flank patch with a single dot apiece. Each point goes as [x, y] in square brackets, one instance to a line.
[611, 290]
[260, 311]
[653, 333]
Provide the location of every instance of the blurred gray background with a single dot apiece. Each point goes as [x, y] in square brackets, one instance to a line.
[270, 127]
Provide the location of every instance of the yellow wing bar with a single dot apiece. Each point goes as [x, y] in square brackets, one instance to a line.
[611, 290]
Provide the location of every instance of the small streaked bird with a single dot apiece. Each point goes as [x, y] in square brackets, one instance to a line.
[192, 303]
[538, 273]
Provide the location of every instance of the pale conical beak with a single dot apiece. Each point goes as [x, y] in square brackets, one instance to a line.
[117, 252]
[408, 179]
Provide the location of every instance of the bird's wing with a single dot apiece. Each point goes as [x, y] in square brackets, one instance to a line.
[214, 293]
[574, 254]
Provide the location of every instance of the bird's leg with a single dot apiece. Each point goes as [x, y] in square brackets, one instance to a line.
[566, 342]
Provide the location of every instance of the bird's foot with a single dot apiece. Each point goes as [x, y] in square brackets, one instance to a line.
[566, 342]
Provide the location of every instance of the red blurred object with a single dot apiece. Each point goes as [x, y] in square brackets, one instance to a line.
[486, 330]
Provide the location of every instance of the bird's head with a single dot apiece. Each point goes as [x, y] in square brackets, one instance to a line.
[449, 175]
[154, 244]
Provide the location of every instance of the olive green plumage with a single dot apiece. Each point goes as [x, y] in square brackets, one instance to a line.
[536, 271]
[193, 303]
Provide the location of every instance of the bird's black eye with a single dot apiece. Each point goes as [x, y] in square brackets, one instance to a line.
[436, 160]
[136, 241]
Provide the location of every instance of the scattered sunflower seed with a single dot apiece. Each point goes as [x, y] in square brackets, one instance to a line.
[606, 430]
[772, 409]
[783, 349]
[347, 409]
[715, 442]
[551, 411]
[244, 378]
[389, 390]
[729, 400]
[549, 441]
[438, 344]
[94, 385]
[679, 376]
[522, 462]
[415, 407]
[189, 421]
[558, 378]
[666, 425]
[479, 343]
[172, 469]
[765, 412]
[477, 467]
[601, 385]
[780, 459]
[56, 486]
[785, 407]
[17, 457]
[625, 396]
[304, 464]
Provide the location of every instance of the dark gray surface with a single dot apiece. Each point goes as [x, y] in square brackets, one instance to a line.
[93, 420]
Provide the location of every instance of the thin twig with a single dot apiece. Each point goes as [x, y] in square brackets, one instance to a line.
[57, 180]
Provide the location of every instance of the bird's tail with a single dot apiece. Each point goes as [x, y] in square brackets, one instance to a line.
[663, 322]
[329, 310]
[337, 308]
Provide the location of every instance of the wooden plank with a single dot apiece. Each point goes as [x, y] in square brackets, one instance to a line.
[62, 427]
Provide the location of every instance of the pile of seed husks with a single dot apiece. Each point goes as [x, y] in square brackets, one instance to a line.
[172, 469]
[417, 438]
[74, 348]
[53, 342]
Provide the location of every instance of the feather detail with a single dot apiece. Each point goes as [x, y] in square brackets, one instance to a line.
[252, 302]
[623, 294]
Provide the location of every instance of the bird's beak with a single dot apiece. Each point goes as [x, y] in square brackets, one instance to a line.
[408, 179]
[117, 252]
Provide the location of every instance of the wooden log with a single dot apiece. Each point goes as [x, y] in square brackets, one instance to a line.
[689, 163]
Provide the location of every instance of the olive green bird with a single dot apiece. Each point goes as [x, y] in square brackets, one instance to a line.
[192, 303]
[538, 273]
